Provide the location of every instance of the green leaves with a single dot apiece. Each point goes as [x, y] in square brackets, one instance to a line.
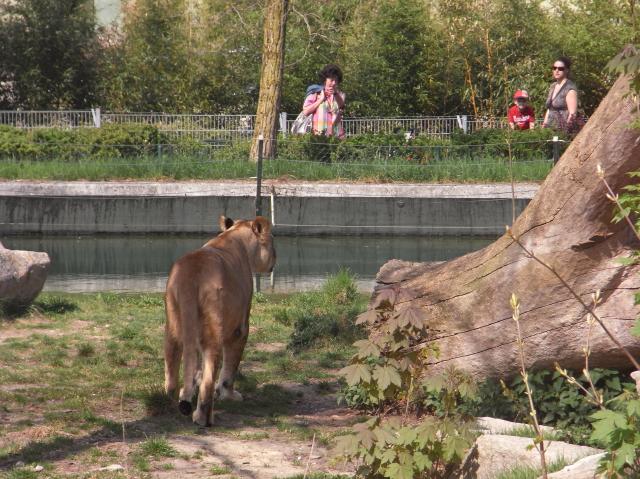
[386, 368]
[367, 349]
[356, 373]
[399, 471]
[606, 423]
[385, 376]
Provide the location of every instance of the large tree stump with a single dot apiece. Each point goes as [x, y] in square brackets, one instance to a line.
[568, 225]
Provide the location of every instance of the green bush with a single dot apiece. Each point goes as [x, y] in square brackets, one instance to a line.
[369, 147]
[525, 144]
[559, 404]
[109, 141]
[328, 314]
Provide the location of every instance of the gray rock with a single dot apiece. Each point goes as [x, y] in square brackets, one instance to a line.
[498, 453]
[22, 276]
[585, 468]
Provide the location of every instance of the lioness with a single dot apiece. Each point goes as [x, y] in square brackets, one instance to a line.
[207, 303]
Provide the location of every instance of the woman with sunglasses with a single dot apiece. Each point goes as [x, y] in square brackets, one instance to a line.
[562, 102]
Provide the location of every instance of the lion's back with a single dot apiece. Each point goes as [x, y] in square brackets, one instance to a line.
[212, 277]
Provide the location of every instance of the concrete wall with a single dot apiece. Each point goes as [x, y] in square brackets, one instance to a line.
[297, 209]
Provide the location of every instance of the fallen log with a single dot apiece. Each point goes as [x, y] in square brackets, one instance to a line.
[568, 225]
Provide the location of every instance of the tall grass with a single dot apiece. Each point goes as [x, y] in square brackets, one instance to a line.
[143, 152]
[194, 167]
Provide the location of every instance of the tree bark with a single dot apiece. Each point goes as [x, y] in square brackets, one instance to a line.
[275, 21]
[567, 225]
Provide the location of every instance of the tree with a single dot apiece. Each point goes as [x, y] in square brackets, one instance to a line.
[275, 21]
[392, 57]
[599, 28]
[568, 226]
[314, 39]
[49, 53]
[148, 68]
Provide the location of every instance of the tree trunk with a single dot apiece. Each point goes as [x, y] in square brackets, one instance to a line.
[275, 21]
[568, 225]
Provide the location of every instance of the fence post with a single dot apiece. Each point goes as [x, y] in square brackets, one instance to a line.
[259, 193]
[259, 177]
[283, 123]
[462, 123]
[97, 119]
[556, 150]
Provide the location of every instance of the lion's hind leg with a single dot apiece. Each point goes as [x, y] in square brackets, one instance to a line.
[203, 415]
[233, 349]
[172, 349]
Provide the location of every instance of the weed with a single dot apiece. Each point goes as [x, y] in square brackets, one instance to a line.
[528, 431]
[86, 350]
[217, 470]
[141, 463]
[55, 305]
[22, 473]
[530, 472]
[328, 314]
[157, 447]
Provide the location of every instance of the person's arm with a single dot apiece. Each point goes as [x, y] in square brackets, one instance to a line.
[572, 105]
[312, 107]
[545, 123]
[510, 119]
[340, 99]
[532, 120]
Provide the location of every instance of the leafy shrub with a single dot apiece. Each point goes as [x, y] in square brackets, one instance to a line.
[618, 430]
[326, 314]
[369, 147]
[109, 141]
[525, 144]
[388, 370]
[560, 404]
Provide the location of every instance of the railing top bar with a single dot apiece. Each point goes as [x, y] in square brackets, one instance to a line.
[206, 115]
[243, 115]
[56, 112]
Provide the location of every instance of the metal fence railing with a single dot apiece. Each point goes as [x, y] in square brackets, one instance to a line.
[230, 128]
[47, 118]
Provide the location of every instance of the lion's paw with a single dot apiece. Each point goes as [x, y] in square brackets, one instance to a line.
[201, 418]
[229, 394]
[185, 407]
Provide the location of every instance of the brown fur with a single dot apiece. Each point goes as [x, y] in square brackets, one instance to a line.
[208, 300]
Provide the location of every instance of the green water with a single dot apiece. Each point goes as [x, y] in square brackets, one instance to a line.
[128, 264]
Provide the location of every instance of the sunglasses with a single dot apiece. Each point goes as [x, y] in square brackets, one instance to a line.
[560, 69]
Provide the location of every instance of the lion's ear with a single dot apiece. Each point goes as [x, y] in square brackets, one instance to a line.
[261, 226]
[224, 223]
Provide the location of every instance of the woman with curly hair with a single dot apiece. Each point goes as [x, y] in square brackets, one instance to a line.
[326, 103]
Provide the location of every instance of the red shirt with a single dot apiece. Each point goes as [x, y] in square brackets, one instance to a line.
[523, 119]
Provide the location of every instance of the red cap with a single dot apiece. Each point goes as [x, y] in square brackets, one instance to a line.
[520, 94]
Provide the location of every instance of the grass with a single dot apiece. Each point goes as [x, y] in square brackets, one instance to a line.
[483, 168]
[528, 431]
[530, 472]
[82, 371]
[219, 470]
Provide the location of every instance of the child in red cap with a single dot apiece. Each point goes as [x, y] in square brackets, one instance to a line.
[521, 115]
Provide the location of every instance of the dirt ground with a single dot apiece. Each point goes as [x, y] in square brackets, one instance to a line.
[230, 448]
[239, 445]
